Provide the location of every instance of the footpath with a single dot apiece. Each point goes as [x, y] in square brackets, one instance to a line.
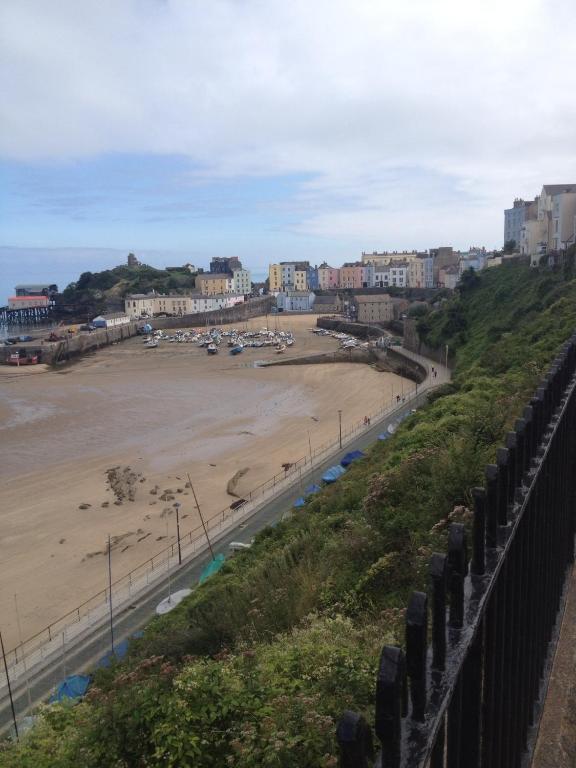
[556, 740]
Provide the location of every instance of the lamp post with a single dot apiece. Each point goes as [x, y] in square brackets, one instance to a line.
[340, 426]
[446, 355]
[176, 506]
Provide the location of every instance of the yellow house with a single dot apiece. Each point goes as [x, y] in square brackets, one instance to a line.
[275, 278]
[212, 283]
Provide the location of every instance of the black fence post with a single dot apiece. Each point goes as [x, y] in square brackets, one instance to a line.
[458, 568]
[391, 704]
[479, 532]
[491, 476]
[416, 645]
[438, 577]
[503, 485]
[354, 737]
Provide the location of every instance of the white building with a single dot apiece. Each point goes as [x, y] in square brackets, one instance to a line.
[111, 320]
[200, 303]
[295, 301]
[241, 281]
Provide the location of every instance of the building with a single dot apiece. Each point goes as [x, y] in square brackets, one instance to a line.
[241, 281]
[132, 261]
[214, 283]
[199, 303]
[328, 277]
[141, 305]
[312, 283]
[387, 257]
[514, 219]
[295, 301]
[352, 275]
[550, 222]
[375, 308]
[443, 257]
[274, 278]
[28, 302]
[226, 264]
[36, 289]
[449, 276]
[111, 320]
[327, 304]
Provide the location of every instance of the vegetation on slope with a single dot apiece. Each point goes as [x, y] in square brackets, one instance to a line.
[257, 665]
[94, 291]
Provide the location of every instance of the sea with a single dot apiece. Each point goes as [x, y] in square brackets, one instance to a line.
[39, 330]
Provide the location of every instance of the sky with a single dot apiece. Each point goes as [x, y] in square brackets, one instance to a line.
[183, 130]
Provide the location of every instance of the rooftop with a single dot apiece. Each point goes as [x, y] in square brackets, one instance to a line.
[375, 297]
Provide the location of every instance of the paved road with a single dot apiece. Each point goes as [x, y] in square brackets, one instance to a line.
[88, 651]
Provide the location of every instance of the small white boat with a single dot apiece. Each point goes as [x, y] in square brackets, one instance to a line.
[152, 344]
[212, 349]
[280, 348]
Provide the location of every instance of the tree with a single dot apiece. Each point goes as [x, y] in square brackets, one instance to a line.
[468, 281]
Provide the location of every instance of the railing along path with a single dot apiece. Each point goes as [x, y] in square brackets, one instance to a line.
[471, 699]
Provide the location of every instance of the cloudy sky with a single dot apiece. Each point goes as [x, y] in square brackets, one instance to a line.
[183, 129]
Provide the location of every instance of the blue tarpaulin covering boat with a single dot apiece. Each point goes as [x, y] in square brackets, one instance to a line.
[383, 436]
[312, 489]
[332, 474]
[299, 503]
[73, 687]
[212, 568]
[350, 457]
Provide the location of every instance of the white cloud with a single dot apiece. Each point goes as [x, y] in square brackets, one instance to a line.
[477, 98]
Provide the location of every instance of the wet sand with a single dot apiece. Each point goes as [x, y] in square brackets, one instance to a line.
[103, 447]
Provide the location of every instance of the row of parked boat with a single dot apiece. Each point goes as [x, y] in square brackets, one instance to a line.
[211, 340]
[346, 341]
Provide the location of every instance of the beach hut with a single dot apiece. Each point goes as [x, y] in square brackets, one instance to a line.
[332, 474]
[350, 457]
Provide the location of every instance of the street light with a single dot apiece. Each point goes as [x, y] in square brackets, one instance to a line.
[340, 426]
[446, 355]
[176, 506]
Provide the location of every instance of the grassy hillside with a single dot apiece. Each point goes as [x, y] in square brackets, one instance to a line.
[255, 668]
[95, 290]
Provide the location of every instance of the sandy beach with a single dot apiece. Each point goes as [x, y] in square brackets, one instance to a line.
[103, 447]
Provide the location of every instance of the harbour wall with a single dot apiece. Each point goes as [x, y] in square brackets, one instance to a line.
[390, 360]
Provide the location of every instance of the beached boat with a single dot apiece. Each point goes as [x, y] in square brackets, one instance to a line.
[237, 349]
[21, 358]
[152, 344]
[280, 348]
[212, 349]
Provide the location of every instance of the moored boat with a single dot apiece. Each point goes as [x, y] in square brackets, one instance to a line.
[212, 349]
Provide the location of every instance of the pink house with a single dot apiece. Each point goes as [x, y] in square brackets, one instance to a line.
[328, 277]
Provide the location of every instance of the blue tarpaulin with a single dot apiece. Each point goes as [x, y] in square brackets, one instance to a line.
[312, 489]
[383, 436]
[352, 456]
[73, 687]
[299, 503]
[212, 568]
[332, 474]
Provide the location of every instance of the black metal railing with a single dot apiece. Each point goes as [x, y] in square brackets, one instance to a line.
[470, 700]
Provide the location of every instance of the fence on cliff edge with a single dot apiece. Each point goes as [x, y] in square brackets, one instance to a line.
[474, 695]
